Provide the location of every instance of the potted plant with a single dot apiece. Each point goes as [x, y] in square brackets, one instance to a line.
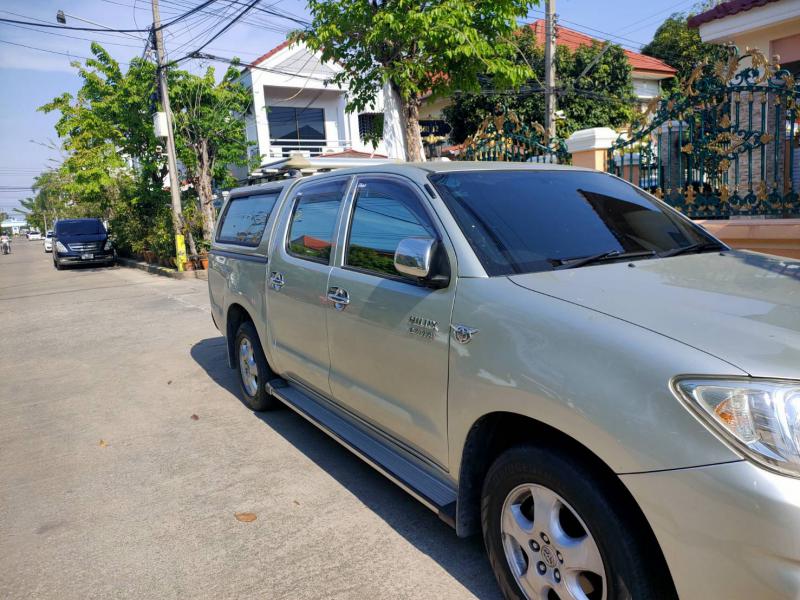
[203, 247]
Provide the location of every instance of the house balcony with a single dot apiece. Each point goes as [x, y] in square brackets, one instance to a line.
[283, 148]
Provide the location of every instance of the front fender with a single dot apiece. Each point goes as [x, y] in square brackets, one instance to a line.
[598, 379]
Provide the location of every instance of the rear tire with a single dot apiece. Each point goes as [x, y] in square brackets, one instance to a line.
[557, 529]
[254, 372]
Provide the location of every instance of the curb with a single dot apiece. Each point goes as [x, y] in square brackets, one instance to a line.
[159, 270]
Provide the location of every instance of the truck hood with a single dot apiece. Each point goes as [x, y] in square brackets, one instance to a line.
[742, 307]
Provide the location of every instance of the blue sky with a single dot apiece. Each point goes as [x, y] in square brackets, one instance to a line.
[32, 77]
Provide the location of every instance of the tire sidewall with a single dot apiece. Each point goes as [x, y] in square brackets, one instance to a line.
[262, 400]
[624, 558]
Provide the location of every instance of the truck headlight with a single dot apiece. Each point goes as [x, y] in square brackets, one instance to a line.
[107, 247]
[759, 417]
[61, 247]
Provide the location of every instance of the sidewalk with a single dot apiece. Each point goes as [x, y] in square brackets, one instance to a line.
[159, 270]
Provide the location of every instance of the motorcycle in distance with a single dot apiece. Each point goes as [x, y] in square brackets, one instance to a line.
[5, 242]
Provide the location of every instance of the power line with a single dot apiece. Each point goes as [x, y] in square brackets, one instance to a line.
[103, 32]
[672, 10]
[610, 36]
[286, 15]
[70, 55]
[251, 20]
[111, 29]
[48, 25]
[194, 36]
[231, 61]
[232, 22]
[74, 37]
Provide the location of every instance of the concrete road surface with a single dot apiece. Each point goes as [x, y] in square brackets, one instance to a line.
[109, 488]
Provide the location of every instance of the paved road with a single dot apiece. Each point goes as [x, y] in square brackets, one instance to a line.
[110, 489]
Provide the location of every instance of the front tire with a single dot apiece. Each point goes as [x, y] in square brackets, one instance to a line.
[254, 372]
[555, 529]
[57, 264]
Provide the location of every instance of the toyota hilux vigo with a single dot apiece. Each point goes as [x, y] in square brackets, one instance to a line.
[546, 356]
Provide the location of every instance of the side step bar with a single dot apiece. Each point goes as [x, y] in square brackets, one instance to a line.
[431, 491]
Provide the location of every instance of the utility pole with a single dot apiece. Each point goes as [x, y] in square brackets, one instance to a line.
[550, 69]
[172, 163]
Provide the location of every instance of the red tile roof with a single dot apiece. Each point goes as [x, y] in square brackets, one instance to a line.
[725, 9]
[573, 40]
[311, 242]
[275, 50]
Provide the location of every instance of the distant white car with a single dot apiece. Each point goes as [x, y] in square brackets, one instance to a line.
[34, 235]
[48, 242]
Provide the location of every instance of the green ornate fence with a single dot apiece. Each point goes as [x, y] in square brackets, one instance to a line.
[723, 146]
[503, 137]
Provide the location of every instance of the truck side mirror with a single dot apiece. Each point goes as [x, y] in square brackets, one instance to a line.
[414, 256]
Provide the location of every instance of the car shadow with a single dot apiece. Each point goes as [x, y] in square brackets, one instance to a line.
[463, 559]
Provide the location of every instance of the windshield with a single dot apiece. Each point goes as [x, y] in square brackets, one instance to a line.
[80, 227]
[527, 221]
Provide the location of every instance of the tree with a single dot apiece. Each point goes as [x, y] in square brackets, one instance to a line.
[43, 209]
[418, 48]
[115, 164]
[209, 137]
[681, 47]
[594, 90]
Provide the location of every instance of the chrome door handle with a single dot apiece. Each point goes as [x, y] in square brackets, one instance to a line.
[339, 297]
[276, 281]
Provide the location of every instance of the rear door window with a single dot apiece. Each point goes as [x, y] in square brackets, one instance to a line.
[313, 224]
[246, 218]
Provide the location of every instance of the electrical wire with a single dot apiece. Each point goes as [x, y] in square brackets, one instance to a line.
[111, 29]
[70, 27]
[105, 32]
[73, 37]
[251, 20]
[70, 55]
[230, 24]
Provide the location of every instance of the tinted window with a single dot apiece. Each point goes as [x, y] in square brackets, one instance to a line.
[314, 220]
[524, 221]
[245, 219]
[79, 227]
[385, 212]
[289, 123]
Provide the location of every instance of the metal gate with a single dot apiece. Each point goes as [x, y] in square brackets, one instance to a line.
[722, 146]
[503, 137]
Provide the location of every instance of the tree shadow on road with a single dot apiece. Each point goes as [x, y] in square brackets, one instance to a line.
[464, 559]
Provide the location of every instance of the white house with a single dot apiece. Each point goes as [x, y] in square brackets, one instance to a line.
[14, 224]
[295, 109]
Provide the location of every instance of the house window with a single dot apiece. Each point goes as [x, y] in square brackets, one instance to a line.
[370, 126]
[288, 125]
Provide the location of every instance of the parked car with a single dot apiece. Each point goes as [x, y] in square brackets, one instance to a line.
[34, 235]
[48, 241]
[545, 355]
[81, 241]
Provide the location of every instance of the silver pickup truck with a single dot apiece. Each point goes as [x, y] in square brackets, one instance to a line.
[548, 356]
